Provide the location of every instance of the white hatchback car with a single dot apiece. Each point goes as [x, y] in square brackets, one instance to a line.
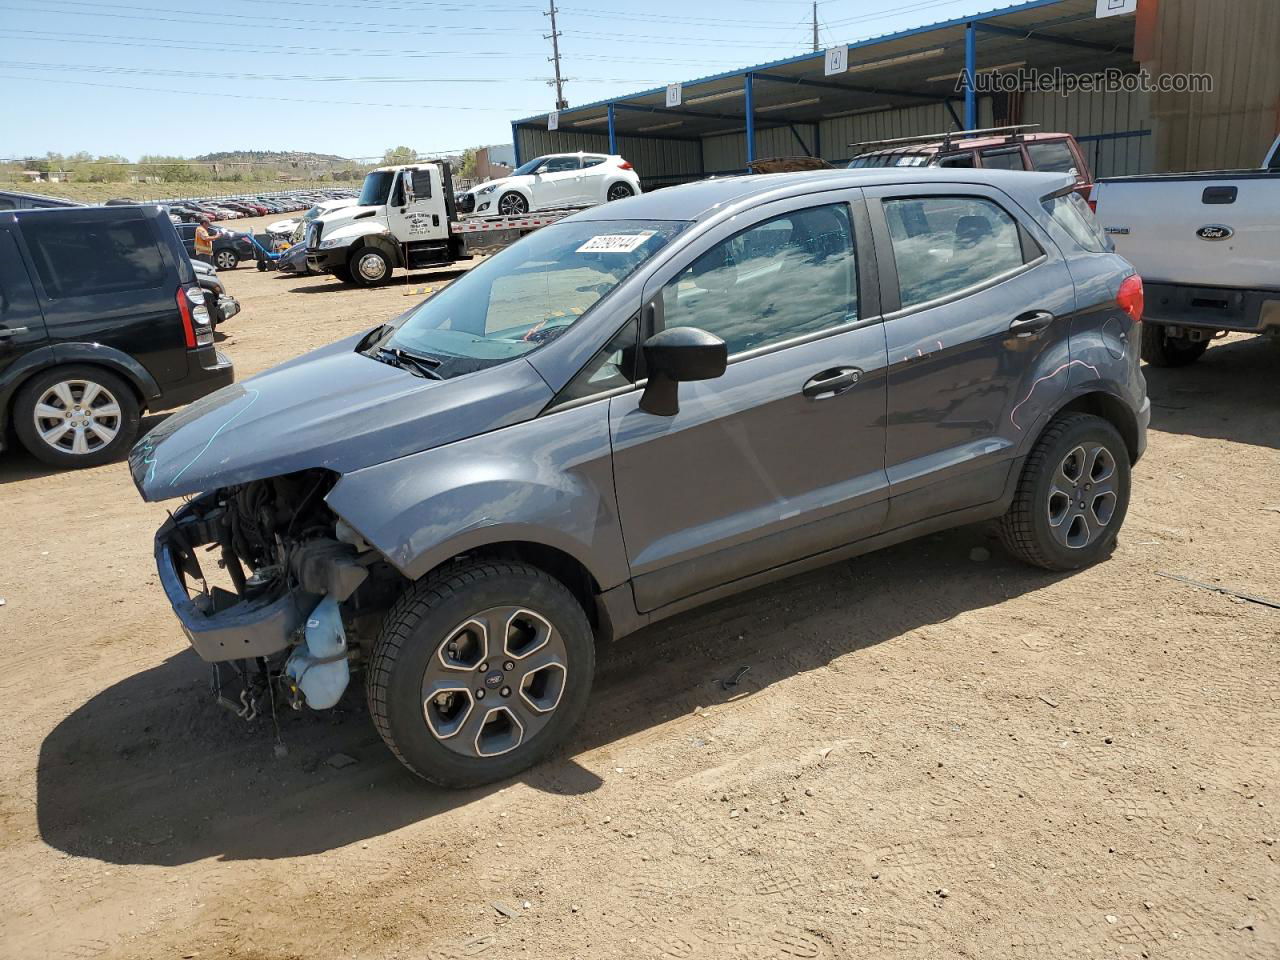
[551, 181]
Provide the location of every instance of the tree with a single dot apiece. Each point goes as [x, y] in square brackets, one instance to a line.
[395, 156]
[467, 168]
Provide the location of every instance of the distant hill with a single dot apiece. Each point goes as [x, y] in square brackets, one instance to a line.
[267, 156]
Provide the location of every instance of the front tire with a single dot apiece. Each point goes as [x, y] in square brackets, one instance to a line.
[369, 267]
[76, 416]
[1161, 350]
[481, 670]
[226, 259]
[1072, 497]
[512, 205]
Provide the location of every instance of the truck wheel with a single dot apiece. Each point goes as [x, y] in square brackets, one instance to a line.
[481, 670]
[76, 416]
[1161, 350]
[369, 267]
[1072, 496]
[512, 205]
[226, 259]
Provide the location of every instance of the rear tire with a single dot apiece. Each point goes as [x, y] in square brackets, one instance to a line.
[510, 656]
[1072, 497]
[619, 191]
[1161, 350]
[54, 423]
[369, 267]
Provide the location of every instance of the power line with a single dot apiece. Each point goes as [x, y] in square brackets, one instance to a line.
[248, 96]
[276, 77]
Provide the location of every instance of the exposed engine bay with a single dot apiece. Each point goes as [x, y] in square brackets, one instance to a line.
[306, 596]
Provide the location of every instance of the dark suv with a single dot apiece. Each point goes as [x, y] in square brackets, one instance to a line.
[229, 246]
[644, 407]
[101, 318]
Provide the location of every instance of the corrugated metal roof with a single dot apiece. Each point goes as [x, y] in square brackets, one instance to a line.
[905, 68]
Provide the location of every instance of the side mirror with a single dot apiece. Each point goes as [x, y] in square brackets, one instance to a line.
[676, 354]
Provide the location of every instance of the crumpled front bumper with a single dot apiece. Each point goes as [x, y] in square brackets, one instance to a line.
[235, 628]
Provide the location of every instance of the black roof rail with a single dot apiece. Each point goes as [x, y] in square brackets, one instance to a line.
[1014, 132]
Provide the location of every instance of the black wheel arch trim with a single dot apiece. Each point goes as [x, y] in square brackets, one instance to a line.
[1107, 404]
[65, 354]
[380, 243]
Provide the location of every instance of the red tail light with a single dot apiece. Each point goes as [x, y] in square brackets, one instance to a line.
[625, 166]
[197, 331]
[1130, 297]
[1093, 205]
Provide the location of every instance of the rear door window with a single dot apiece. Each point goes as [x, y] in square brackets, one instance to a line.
[1052, 156]
[1004, 158]
[945, 244]
[84, 256]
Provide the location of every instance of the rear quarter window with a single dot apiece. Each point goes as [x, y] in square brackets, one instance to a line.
[79, 257]
[1052, 156]
[1004, 158]
[1070, 212]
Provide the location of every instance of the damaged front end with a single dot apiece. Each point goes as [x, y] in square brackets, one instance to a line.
[304, 595]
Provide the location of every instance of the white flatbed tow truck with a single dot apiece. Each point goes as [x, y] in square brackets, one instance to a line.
[405, 217]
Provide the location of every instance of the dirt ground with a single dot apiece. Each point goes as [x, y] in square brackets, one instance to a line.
[933, 753]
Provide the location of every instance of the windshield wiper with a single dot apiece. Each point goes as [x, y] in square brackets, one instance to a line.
[422, 366]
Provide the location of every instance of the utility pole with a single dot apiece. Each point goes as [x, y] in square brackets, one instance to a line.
[561, 102]
[815, 26]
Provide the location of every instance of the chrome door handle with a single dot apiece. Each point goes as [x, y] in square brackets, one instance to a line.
[831, 383]
[1029, 324]
[11, 331]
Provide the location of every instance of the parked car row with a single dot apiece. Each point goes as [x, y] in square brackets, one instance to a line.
[231, 208]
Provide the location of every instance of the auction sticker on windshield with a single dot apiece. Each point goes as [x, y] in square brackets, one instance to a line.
[615, 242]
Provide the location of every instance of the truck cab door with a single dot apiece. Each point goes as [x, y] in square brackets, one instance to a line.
[416, 207]
[21, 321]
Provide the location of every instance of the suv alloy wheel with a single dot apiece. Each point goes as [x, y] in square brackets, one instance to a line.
[76, 416]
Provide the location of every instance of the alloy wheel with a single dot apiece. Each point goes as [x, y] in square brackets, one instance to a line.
[77, 417]
[619, 191]
[1083, 497]
[512, 204]
[494, 682]
[225, 260]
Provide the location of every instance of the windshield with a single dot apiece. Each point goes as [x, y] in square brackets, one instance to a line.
[528, 294]
[376, 187]
[527, 167]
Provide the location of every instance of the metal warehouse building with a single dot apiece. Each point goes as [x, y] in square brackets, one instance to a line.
[904, 84]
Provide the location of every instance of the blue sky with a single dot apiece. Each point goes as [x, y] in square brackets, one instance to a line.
[137, 77]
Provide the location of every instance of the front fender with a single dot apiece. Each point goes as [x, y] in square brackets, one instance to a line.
[547, 481]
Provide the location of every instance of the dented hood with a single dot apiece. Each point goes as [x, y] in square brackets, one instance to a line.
[333, 409]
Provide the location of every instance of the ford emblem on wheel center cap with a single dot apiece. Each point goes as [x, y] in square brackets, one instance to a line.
[1214, 231]
[493, 679]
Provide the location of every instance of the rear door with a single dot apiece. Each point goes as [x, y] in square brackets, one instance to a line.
[782, 457]
[978, 301]
[106, 276]
[21, 322]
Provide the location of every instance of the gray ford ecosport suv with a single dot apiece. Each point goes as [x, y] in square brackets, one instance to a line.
[639, 409]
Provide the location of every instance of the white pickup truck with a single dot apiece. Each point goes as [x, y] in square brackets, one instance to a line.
[1207, 246]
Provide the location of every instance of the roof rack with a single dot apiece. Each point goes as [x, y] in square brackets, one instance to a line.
[1014, 132]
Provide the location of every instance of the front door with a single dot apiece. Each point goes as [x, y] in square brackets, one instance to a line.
[983, 312]
[416, 210]
[557, 183]
[782, 457]
[21, 322]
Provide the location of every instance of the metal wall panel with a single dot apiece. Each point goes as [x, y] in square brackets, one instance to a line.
[1113, 128]
[1236, 42]
[656, 160]
[839, 132]
[727, 153]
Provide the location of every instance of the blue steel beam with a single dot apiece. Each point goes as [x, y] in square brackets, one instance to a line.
[613, 133]
[749, 108]
[971, 75]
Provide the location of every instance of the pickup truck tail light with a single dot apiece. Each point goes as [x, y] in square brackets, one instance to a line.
[1130, 297]
[197, 327]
